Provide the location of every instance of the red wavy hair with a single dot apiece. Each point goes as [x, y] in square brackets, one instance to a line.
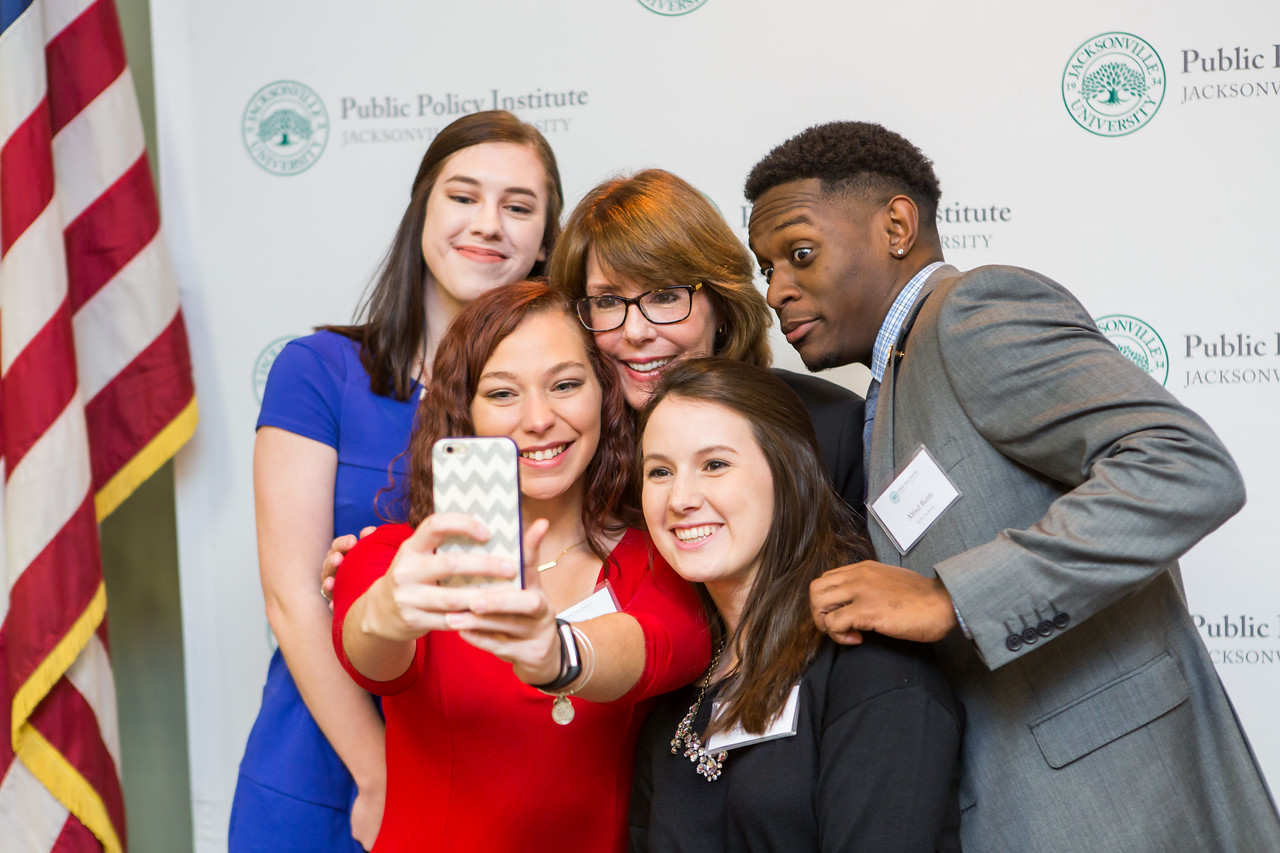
[609, 493]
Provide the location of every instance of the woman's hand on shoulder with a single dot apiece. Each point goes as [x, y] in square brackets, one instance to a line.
[408, 601]
[329, 568]
[516, 625]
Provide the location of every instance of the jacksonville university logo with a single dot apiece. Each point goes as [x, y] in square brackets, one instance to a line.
[285, 127]
[671, 8]
[262, 365]
[1113, 84]
[1138, 342]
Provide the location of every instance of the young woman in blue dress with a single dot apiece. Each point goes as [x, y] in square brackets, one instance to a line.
[483, 211]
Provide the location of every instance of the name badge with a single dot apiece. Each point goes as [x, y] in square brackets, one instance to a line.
[598, 603]
[915, 499]
[783, 725]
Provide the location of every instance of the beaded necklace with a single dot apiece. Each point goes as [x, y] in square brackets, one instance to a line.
[709, 765]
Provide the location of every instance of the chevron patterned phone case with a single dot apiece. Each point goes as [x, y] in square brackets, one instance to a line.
[479, 477]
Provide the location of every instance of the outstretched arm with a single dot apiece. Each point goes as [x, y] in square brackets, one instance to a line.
[657, 643]
[381, 628]
[519, 626]
[386, 601]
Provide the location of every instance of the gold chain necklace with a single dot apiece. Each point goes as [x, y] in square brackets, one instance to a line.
[552, 564]
[709, 765]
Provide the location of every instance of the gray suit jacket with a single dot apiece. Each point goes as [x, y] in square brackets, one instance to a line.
[1096, 719]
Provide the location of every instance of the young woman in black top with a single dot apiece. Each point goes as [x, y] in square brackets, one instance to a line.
[735, 499]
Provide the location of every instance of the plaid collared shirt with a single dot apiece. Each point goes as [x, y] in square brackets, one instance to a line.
[897, 315]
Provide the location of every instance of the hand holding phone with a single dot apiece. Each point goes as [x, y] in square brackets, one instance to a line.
[409, 600]
[515, 625]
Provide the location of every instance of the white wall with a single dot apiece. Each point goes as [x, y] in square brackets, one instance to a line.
[1172, 223]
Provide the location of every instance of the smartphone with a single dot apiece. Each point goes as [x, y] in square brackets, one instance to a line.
[480, 477]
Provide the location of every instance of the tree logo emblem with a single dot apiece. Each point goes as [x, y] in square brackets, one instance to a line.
[285, 127]
[1113, 84]
[1137, 342]
[262, 365]
[671, 8]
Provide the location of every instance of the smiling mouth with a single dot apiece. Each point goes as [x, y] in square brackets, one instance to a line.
[476, 253]
[694, 535]
[544, 454]
[652, 366]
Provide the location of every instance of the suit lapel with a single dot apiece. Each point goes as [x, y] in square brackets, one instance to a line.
[881, 458]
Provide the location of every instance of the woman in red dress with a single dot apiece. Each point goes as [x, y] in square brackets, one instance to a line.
[475, 760]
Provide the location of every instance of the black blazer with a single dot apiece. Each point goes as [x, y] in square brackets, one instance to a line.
[873, 766]
[837, 415]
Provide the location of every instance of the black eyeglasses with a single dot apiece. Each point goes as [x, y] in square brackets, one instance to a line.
[661, 306]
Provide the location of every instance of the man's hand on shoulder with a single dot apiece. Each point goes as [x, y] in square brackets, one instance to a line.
[888, 600]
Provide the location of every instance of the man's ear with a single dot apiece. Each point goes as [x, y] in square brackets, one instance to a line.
[902, 225]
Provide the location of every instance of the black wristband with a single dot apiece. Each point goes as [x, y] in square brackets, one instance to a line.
[570, 660]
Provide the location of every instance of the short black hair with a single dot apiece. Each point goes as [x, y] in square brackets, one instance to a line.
[851, 156]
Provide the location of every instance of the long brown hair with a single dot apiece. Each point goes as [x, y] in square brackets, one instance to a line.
[812, 531]
[464, 350]
[395, 321]
[655, 229]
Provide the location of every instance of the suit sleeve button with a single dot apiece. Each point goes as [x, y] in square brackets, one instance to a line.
[1029, 636]
[1060, 620]
[1045, 628]
[1013, 642]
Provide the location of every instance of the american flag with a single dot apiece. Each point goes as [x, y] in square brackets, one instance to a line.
[95, 395]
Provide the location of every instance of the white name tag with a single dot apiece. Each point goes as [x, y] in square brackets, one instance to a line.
[598, 603]
[914, 500]
[783, 725]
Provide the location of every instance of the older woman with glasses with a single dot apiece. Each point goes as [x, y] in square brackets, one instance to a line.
[653, 243]
[661, 306]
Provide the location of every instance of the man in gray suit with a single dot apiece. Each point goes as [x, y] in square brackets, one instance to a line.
[1050, 582]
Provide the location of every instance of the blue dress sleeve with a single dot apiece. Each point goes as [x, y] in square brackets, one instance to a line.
[304, 390]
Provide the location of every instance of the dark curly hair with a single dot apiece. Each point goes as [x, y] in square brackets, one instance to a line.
[851, 156]
[467, 345]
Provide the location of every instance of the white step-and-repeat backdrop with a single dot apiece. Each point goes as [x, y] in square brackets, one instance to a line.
[1126, 149]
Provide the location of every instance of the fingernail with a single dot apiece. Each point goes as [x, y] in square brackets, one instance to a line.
[509, 568]
[454, 620]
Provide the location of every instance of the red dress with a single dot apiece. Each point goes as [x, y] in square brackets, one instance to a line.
[475, 762]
